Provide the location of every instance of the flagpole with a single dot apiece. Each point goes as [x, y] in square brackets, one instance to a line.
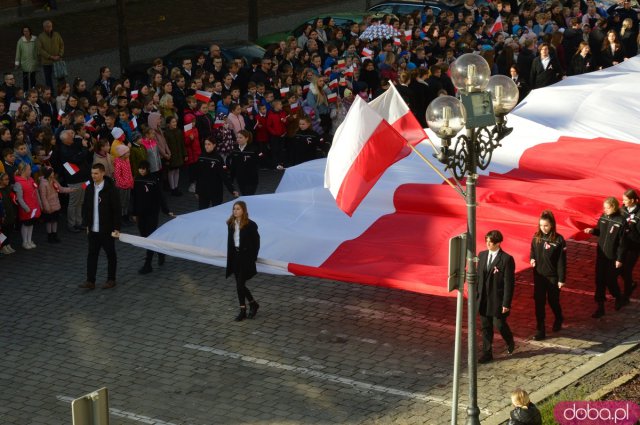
[434, 168]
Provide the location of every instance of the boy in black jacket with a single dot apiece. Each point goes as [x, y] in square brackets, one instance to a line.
[147, 203]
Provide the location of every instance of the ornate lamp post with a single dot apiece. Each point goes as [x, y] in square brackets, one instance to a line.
[482, 107]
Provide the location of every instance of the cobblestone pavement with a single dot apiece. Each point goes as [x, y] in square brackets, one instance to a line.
[319, 352]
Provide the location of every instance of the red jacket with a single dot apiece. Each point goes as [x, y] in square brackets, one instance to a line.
[277, 123]
[30, 198]
[262, 134]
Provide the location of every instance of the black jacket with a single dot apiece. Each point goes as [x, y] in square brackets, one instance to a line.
[529, 416]
[632, 229]
[495, 283]
[551, 257]
[211, 174]
[244, 165]
[79, 156]
[248, 253]
[543, 77]
[109, 212]
[610, 232]
[580, 65]
[147, 197]
[607, 57]
[306, 146]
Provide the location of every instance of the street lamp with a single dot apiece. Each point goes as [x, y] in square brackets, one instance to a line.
[484, 102]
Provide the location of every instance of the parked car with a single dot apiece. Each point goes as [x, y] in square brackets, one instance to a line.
[230, 49]
[406, 7]
[343, 20]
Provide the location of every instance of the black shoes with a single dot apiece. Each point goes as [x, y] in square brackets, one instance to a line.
[176, 192]
[253, 309]
[87, 285]
[619, 303]
[511, 347]
[146, 269]
[598, 313]
[241, 315]
[485, 358]
[539, 336]
[557, 325]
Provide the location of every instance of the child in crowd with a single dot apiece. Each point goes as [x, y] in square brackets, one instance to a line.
[525, 412]
[153, 153]
[24, 156]
[224, 136]
[123, 178]
[262, 134]
[175, 142]
[243, 162]
[29, 205]
[102, 156]
[49, 189]
[277, 128]
[306, 143]
[8, 222]
[147, 201]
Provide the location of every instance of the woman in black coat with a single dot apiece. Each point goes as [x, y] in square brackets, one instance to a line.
[631, 214]
[211, 175]
[611, 53]
[581, 62]
[244, 163]
[548, 258]
[243, 245]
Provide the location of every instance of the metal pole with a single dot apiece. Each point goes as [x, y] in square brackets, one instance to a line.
[123, 39]
[473, 412]
[253, 20]
[456, 355]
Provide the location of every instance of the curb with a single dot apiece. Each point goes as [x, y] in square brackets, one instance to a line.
[561, 383]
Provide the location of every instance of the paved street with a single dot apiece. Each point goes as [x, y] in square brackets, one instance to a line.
[319, 352]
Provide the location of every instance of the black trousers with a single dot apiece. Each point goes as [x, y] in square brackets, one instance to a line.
[606, 278]
[277, 150]
[206, 200]
[29, 80]
[488, 323]
[628, 263]
[241, 282]
[546, 288]
[247, 188]
[107, 243]
[48, 77]
[147, 224]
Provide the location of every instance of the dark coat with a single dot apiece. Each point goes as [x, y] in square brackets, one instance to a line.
[551, 257]
[421, 96]
[306, 146]
[543, 77]
[211, 174]
[525, 61]
[147, 197]
[632, 230]
[248, 254]
[244, 165]
[529, 416]
[607, 57]
[610, 231]
[78, 155]
[580, 65]
[495, 283]
[109, 212]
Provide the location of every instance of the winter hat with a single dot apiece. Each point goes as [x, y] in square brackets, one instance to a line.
[347, 92]
[221, 116]
[122, 150]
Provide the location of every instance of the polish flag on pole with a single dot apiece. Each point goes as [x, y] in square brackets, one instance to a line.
[327, 71]
[392, 108]
[497, 26]
[408, 35]
[349, 72]
[305, 88]
[219, 123]
[341, 63]
[284, 91]
[118, 134]
[343, 81]
[203, 96]
[188, 129]
[90, 123]
[60, 114]
[294, 107]
[368, 53]
[397, 42]
[134, 94]
[133, 123]
[333, 84]
[71, 168]
[364, 146]
[332, 97]
[85, 184]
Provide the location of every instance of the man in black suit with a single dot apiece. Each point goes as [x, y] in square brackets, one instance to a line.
[496, 279]
[545, 69]
[102, 215]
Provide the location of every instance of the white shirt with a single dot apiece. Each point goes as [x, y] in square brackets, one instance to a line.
[545, 61]
[492, 255]
[96, 204]
[236, 234]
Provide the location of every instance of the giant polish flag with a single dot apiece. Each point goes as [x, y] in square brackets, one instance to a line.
[364, 146]
[573, 144]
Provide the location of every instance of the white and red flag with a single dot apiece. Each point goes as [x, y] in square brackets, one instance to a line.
[342, 63]
[203, 96]
[133, 123]
[364, 146]
[349, 72]
[333, 84]
[90, 123]
[407, 35]
[118, 134]
[71, 168]
[294, 107]
[188, 129]
[134, 94]
[85, 184]
[332, 97]
[366, 52]
[60, 114]
[284, 91]
[497, 26]
[397, 42]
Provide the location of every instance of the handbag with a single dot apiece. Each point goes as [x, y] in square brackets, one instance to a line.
[60, 69]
